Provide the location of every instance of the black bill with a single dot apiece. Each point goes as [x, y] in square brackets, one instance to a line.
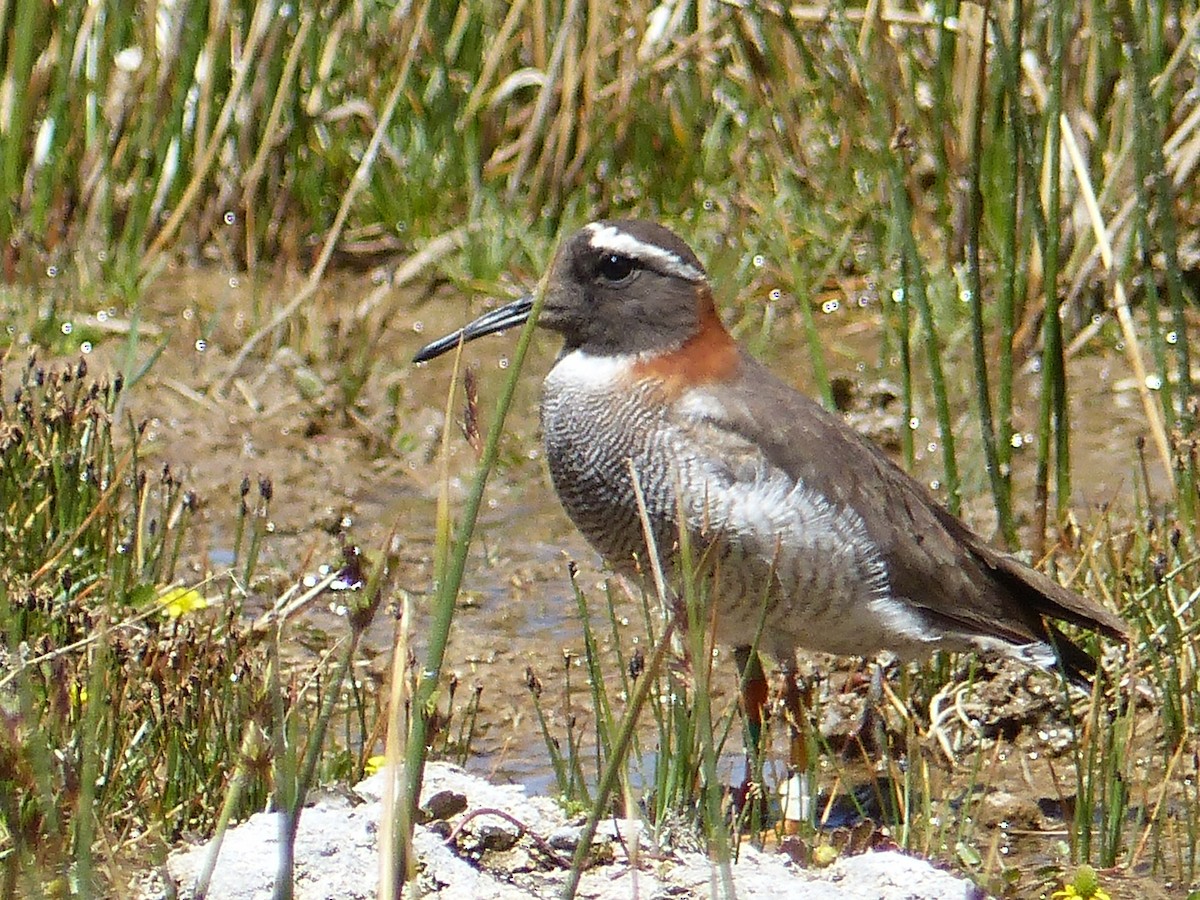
[507, 316]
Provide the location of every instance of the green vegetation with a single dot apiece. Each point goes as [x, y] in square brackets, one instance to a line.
[129, 690]
[106, 719]
[1004, 188]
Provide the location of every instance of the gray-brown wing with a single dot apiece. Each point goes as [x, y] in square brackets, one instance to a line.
[933, 559]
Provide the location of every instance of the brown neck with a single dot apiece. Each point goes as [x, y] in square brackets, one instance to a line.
[711, 354]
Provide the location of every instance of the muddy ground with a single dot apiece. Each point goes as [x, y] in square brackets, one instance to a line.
[364, 462]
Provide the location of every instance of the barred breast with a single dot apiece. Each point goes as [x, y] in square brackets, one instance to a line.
[780, 557]
[597, 434]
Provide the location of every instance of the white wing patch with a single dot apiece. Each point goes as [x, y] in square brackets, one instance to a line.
[701, 406]
[1035, 653]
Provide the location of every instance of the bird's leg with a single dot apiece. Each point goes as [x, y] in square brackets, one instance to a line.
[796, 792]
[869, 739]
[874, 727]
[754, 695]
[754, 692]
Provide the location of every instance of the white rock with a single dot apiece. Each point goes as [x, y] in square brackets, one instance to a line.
[336, 858]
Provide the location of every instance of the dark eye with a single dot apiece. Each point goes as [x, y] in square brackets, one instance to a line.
[615, 267]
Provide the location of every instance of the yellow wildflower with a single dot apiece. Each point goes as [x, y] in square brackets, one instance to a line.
[179, 601]
[824, 856]
[1085, 886]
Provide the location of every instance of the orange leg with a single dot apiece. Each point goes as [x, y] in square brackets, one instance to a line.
[754, 693]
[797, 797]
[795, 704]
[754, 696]
[797, 802]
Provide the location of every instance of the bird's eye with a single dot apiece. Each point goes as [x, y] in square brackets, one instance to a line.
[615, 267]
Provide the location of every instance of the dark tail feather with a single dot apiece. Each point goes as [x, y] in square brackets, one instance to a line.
[1076, 663]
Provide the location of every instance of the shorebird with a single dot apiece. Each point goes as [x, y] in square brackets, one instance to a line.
[814, 538]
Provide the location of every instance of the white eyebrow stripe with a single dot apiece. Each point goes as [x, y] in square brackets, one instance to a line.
[613, 240]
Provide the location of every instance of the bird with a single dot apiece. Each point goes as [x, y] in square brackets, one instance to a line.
[813, 537]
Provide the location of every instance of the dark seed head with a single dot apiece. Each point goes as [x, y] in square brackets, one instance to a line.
[637, 664]
[532, 682]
